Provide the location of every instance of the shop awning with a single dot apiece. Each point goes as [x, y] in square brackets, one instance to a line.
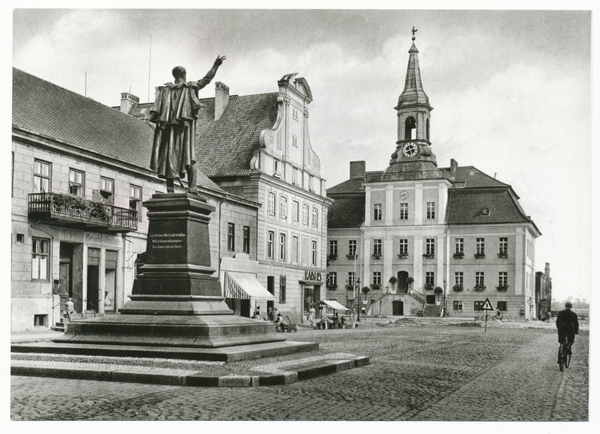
[244, 286]
[332, 304]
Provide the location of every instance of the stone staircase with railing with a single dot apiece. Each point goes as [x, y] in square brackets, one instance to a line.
[432, 310]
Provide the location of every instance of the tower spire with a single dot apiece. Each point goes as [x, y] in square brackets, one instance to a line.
[413, 87]
[413, 152]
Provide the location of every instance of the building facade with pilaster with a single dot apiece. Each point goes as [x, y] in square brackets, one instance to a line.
[80, 173]
[429, 240]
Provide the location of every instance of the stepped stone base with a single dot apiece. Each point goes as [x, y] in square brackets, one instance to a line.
[206, 331]
[223, 354]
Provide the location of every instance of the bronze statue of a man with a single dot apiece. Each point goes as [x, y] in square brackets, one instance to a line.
[175, 111]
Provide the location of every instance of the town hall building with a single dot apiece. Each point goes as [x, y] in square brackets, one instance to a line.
[417, 238]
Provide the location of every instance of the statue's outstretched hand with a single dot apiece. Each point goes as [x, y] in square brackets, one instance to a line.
[219, 60]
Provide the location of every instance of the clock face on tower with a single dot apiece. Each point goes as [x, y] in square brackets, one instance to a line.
[410, 150]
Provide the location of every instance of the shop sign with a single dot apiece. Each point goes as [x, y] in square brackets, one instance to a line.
[101, 239]
[313, 276]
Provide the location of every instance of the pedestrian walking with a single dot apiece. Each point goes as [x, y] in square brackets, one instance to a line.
[311, 315]
[270, 314]
[69, 308]
[353, 318]
[257, 313]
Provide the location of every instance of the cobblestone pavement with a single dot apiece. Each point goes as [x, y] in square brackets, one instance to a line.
[417, 373]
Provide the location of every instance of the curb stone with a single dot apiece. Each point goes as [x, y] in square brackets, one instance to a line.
[192, 380]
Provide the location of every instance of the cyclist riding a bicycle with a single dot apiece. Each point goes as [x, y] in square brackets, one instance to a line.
[568, 326]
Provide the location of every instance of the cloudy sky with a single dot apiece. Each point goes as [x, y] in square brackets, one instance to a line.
[510, 89]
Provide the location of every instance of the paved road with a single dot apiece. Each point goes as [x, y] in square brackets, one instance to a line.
[419, 373]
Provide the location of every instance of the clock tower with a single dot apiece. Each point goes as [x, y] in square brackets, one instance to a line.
[413, 148]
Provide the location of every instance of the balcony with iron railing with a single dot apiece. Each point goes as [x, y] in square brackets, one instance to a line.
[68, 210]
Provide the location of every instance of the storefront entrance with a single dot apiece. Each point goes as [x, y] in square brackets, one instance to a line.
[110, 276]
[93, 280]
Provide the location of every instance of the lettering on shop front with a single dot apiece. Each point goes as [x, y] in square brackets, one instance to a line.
[315, 276]
[101, 239]
[167, 241]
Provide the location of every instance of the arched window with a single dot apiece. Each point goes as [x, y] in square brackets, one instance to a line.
[410, 128]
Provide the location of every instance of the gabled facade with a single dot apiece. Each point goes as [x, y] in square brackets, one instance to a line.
[258, 147]
[80, 173]
[437, 240]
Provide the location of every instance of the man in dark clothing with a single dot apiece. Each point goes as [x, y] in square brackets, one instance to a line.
[567, 325]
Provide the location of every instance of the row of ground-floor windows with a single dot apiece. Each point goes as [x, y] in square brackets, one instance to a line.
[332, 278]
[478, 305]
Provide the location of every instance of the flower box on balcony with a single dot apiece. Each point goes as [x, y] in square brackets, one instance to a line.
[479, 255]
[428, 255]
[375, 286]
[403, 255]
[332, 287]
[376, 256]
[458, 255]
[351, 256]
[502, 288]
[479, 288]
[429, 286]
[503, 255]
[332, 257]
[64, 209]
[457, 288]
[349, 287]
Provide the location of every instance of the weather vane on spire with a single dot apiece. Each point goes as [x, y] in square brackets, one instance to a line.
[413, 32]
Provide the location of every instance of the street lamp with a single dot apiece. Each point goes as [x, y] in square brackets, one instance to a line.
[357, 285]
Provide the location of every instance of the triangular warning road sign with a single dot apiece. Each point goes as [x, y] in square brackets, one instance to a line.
[487, 305]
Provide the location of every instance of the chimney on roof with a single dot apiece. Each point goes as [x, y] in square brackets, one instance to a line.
[357, 169]
[547, 269]
[128, 101]
[453, 165]
[221, 99]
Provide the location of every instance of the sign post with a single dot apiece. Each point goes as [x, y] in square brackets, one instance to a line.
[487, 306]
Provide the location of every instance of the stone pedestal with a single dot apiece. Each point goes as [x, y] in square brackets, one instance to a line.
[176, 302]
[177, 278]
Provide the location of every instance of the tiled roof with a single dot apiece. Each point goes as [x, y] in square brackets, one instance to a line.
[465, 206]
[347, 211]
[54, 112]
[57, 113]
[225, 147]
[473, 191]
[472, 177]
[350, 186]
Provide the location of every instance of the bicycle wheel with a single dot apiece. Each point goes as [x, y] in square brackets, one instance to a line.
[504, 318]
[561, 357]
[567, 360]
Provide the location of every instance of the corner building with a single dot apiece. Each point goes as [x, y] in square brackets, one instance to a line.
[419, 238]
[80, 173]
